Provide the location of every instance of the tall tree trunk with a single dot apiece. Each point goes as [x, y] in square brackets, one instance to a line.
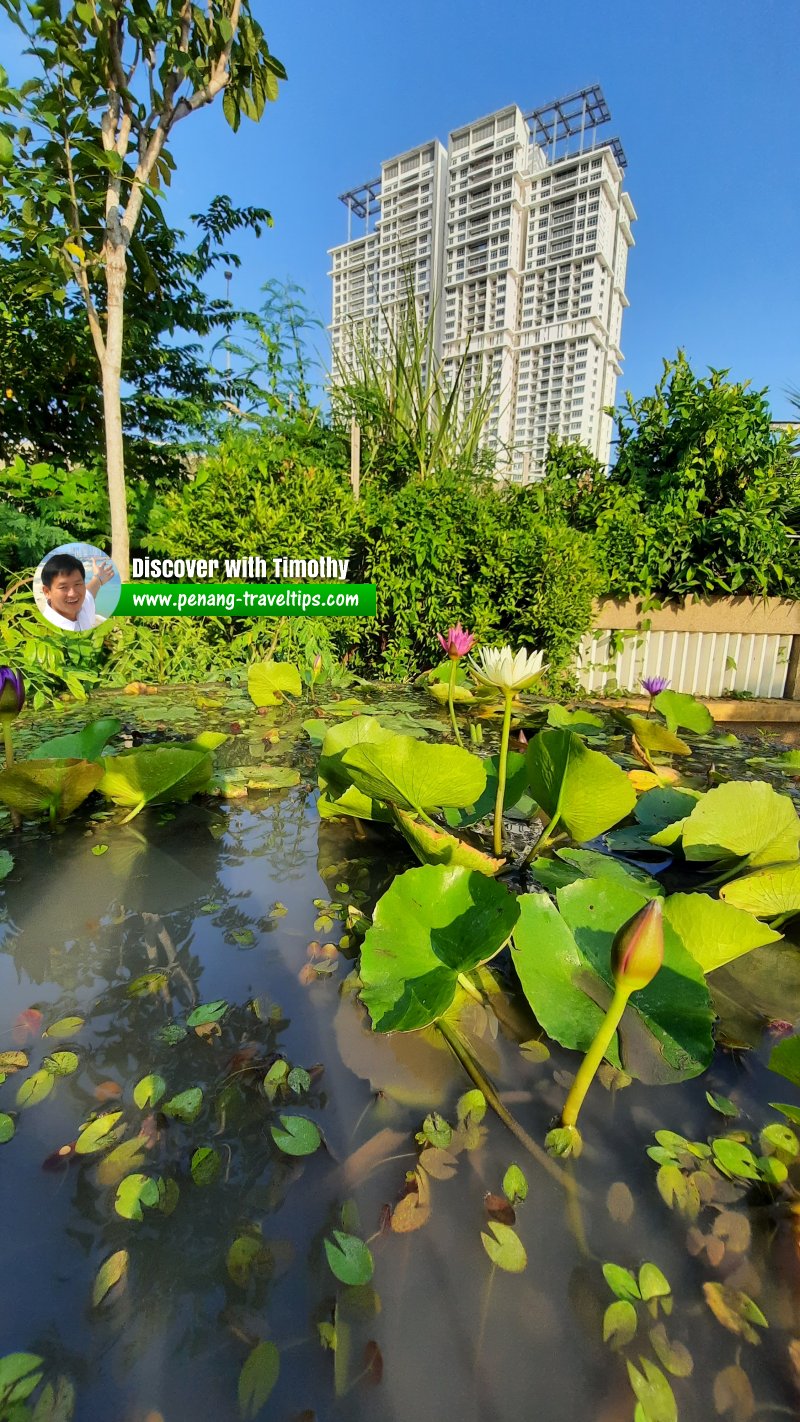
[116, 273]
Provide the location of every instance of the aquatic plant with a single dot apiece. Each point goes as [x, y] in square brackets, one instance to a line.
[12, 700]
[457, 644]
[499, 667]
[653, 685]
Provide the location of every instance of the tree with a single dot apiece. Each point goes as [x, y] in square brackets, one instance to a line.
[84, 152]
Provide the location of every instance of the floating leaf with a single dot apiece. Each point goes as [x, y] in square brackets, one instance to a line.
[261, 1368]
[87, 744]
[515, 1186]
[436, 1130]
[247, 1258]
[505, 1248]
[792, 1113]
[149, 1090]
[430, 925]
[20, 1375]
[207, 1012]
[34, 1089]
[723, 1104]
[122, 1160]
[582, 789]
[413, 774]
[99, 1134]
[663, 806]
[7, 1127]
[61, 1063]
[12, 1061]
[298, 1080]
[735, 1159]
[155, 775]
[583, 723]
[98, 849]
[268, 681]
[206, 1165]
[619, 1323]
[471, 1106]
[767, 893]
[621, 1282]
[714, 932]
[64, 1027]
[349, 1258]
[735, 1310]
[296, 1135]
[779, 1139]
[742, 820]
[673, 1356]
[653, 1392]
[54, 787]
[733, 1393]
[652, 1283]
[680, 709]
[654, 738]
[414, 1210]
[147, 984]
[134, 1192]
[785, 1059]
[186, 1106]
[619, 1202]
[111, 1273]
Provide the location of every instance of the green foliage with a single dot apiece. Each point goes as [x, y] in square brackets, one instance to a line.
[50, 662]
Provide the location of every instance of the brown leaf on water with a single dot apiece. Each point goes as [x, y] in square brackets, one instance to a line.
[734, 1229]
[715, 1250]
[306, 976]
[733, 1394]
[12, 1061]
[149, 1130]
[619, 1202]
[695, 1241]
[373, 1363]
[498, 1208]
[107, 1091]
[414, 1210]
[438, 1162]
[735, 1310]
[208, 1029]
[370, 1155]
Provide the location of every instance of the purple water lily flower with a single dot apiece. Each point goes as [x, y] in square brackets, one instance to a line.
[12, 693]
[457, 642]
[653, 685]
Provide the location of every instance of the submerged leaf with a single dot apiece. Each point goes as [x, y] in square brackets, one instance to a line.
[258, 1376]
[111, 1273]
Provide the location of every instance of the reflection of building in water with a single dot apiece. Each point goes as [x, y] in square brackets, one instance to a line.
[516, 238]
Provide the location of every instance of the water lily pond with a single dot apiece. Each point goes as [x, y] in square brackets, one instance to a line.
[285, 1050]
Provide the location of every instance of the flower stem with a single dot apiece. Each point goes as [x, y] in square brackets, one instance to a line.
[501, 777]
[450, 694]
[9, 745]
[594, 1056]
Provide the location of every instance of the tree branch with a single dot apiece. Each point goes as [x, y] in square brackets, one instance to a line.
[81, 275]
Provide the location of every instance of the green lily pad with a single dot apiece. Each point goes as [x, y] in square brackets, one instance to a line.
[149, 1091]
[583, 723]
[768, 893]
[156, 776]
[561, 987]
[186, 1106]
[268, 681]
[591, 864]
[87, 744]
[665, 1033]
[680, 709]
[714, 932]
[415, 775]
[6, 863]
[785, 1059]
[296, 1135]
[7, 1127]
[742, 820]
[54, 787]
[657, 808]
[434, 846]
[258, 1377]
[20, 1375]
[516, 786]
[349, 1258]
[505, 1248]
[34, 1089]
[655, 738]
[134, 1193]
[580, 788]
[431, 924]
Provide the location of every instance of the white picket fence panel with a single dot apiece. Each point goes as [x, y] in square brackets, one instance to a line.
[703, 663]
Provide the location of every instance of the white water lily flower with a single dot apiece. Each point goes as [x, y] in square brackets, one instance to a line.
[500, 667]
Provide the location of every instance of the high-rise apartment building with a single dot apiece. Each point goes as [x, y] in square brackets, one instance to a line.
[516, 237]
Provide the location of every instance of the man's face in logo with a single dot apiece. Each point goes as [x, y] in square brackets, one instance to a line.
[67, 594]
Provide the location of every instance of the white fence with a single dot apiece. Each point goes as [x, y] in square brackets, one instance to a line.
[727, 645]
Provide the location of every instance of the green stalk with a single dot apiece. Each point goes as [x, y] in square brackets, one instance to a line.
[501, 777]
[9, 745]
[594, 1056]
[450, 694]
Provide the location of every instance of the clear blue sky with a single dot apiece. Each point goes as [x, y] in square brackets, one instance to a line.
[703, 94]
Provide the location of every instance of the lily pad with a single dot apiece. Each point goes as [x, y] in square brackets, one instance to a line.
[664, 805]
[156, 776]
[415, 775]
[434, 846]
[268, 682]
[516, 786]
[87, 744]
[785, 1059]
[768, 893]
[654, 738]
[742, 820]
[186, 1106]
[561, 987]
[714, 932]
[53, 787]
[134, 1193]
[580, 788]
[257, 1379]
[665, 1033]
[431, 924]
[296, 1135]
[505, 1248]
[349, 1258]
[583, 723]
[680, 709]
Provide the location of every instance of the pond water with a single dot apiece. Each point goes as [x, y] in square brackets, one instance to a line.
[219, 902]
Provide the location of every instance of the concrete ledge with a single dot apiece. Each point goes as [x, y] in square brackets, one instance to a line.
[738, 615]
[725, 709]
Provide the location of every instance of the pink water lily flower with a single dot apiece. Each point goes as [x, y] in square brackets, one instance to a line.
[457, 642]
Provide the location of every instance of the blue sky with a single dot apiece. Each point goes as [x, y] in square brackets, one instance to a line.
[703, 94]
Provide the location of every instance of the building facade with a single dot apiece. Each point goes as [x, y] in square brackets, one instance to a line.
[515, 238]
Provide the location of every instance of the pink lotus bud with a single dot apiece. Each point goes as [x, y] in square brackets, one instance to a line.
[457, 642]
[316, 667]
[638, 948]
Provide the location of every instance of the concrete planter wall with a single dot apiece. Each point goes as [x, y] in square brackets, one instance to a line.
[732, 644]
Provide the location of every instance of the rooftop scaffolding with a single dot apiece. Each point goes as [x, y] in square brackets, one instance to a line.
[361, 202]
[555, 125]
